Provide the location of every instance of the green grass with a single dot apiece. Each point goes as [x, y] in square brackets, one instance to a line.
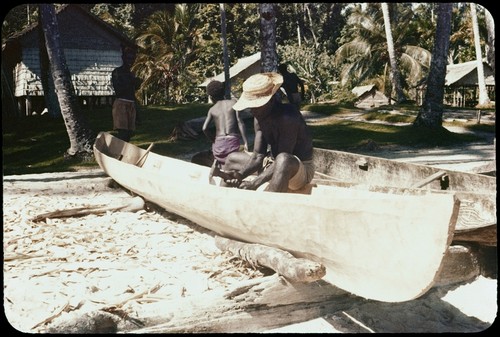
[37, 144]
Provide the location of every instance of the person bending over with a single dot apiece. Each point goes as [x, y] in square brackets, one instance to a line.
[289, 165]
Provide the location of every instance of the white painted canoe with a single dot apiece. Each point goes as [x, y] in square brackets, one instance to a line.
[380, 246]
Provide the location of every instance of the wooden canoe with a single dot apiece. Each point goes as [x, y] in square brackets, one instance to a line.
[380, 246]
[477, 192]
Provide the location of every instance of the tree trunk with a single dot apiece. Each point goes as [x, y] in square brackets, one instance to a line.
[269, 57]
[49, 92]
[311, 25]
[227, 77]
[431, 112]
[483, 94]
[299, 39]
[490, 26]
[80, 136]
[395, 76]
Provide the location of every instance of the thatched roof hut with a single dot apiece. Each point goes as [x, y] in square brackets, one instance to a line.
[92, 49]
[369, 97]
[461, 84]
[465, 74]
[242, 69]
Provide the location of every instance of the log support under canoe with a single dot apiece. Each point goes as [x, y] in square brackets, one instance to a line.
[284, 263]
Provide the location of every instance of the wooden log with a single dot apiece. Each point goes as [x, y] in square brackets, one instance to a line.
[483, 235]
[249, 306]
[284, 263]
[130, 205]
[255, 305]
[460, 264]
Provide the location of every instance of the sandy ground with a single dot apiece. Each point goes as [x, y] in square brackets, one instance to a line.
[58, 268]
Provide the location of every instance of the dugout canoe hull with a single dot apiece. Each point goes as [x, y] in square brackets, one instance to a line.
[477, 192]
[380, 246]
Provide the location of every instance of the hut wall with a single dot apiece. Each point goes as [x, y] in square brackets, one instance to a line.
[90, 72]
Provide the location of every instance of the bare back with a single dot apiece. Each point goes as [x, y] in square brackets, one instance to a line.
[227, 121]
[224, 118]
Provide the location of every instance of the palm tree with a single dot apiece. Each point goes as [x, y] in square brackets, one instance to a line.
[490, 27]
[362, 56]
[227, 78]
[483, 94]
[431, 112]
[168, 45]
[49, 92]
[269, 57]
[395, 75]
[80, 136]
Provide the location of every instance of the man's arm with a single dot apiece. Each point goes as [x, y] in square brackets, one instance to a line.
[258, 154]
[243, 132]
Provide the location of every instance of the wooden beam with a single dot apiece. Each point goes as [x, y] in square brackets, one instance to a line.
[139, 162]
[429, 179]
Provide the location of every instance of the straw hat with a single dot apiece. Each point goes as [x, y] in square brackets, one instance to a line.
[258, 89]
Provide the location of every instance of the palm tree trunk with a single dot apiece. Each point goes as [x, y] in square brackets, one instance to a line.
[490, 26]
[311, 24]
[431, 112]
[227, 78]
[80, 136]
[395, 76]
[299, 40]
[269, 57]
[483, 94]
[49, 92]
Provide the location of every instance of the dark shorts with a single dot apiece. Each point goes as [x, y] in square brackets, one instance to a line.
[124, 114]
[224, 145]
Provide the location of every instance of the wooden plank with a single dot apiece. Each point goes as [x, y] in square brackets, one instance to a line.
[139, 162]
[429, 179]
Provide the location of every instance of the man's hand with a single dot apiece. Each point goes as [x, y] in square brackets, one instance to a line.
[247, 185]
[234, 179]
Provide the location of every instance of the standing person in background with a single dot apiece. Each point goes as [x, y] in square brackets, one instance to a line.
[227, 123]
[291, 84]
[125, 83]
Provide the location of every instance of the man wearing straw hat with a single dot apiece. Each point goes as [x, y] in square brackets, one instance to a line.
[280, 126]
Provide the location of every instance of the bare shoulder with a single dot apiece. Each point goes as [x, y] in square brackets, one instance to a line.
[227, 105]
